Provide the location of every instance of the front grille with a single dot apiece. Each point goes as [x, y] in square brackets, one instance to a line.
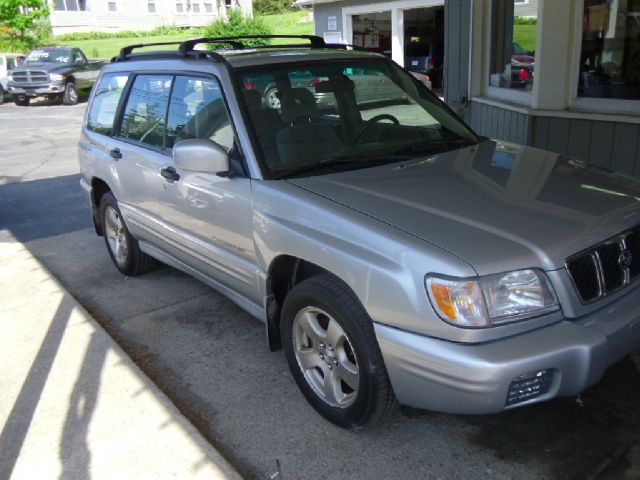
[31, 76]
[607, 267]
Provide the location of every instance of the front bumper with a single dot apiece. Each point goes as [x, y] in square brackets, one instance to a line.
[475, 378]
[53, 88]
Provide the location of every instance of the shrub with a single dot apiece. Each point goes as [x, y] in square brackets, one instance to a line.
[269, 7]
[23, 24]
[525, 21]
[166, 30]
[238, 25]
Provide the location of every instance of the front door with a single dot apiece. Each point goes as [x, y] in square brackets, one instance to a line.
[212, 214]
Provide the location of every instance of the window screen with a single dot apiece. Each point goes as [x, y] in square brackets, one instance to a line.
[105, 102]
[197, 110]
[144, 115]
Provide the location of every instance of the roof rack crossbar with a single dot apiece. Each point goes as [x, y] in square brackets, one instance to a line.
[314, 40]
[130, 48]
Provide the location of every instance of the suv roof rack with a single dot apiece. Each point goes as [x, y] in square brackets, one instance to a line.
[188, 45]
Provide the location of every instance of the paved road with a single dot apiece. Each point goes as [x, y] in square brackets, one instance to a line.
[211, 358]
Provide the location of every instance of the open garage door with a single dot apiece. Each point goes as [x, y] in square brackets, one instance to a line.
[424, 42]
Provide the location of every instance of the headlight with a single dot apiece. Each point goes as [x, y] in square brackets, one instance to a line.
[56, 77]
[493, 299]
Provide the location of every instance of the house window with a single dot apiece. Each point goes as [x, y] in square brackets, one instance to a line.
[228, 3]
[610, 50]
[70, 5]
[151, 6]
[208, 7]
[179, 7]
[112, 7]
[195, 7]
[512, 56]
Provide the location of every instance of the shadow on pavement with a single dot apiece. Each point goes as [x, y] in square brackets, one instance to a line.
[37, 209]
[19, 420]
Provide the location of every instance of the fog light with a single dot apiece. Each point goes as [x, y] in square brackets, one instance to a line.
[529, 385]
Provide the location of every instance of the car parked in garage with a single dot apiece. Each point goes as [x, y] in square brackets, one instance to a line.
[393, 253]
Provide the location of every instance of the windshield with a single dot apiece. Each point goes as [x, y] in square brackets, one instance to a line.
[315, 118]
[48, 56]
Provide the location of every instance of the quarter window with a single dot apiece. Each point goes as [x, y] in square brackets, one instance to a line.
[144, 115]
[513, 43]
[197, 110]
[105, 102]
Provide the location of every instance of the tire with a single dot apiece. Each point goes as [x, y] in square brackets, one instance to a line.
[271, 98]
[70, 95]
[2, 96]
[325, 328]
[21, 100]
[123, 248]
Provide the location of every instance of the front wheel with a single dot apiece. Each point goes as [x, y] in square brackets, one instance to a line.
[70, 95]
[333, 353]
[2, 95]
[21, 100]
[123, 248]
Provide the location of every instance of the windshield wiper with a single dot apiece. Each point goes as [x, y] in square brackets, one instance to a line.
[343, 162]
[435, 146]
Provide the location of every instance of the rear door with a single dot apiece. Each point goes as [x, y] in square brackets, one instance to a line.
[139, 155]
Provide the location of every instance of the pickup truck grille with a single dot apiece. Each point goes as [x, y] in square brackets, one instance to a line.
[31, 76]
[607, 267]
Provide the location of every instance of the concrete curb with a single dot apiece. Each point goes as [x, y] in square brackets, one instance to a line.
[72, 403]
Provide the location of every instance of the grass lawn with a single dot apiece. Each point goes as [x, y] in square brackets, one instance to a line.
[109, 47]
[525, 35]
[285, 24]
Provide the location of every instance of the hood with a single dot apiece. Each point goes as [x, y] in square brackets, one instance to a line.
[498, 206]
[42, 66]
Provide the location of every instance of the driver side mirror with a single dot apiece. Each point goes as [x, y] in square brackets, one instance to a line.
[201, 155]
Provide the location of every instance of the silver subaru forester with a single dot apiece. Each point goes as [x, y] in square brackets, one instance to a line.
[394, 255]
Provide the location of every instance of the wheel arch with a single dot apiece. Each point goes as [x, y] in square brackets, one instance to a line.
[98, 188]
[285, 272]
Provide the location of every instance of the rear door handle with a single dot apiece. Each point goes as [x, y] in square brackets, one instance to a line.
[116, 153]
[170, 174]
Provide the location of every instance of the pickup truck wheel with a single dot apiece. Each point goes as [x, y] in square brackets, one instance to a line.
[70, 95]
[1, 95]
[123, 248]
[272, 99]
[333, 353]
[21, 100]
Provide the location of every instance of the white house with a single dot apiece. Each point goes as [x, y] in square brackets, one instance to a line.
[114, 15]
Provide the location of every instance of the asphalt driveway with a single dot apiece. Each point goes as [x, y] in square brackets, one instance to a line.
[212, 359]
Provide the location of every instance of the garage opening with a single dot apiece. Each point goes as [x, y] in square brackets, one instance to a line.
[424, 43]
[373, 31]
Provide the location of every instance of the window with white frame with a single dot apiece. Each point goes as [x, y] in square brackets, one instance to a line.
[512, 51]
[151, 6]
[208, 7]
[195, 7]
[71, 5]
[112, 7]
[609, 65]
[179, 7]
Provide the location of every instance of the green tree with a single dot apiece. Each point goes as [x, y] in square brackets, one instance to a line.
[269, 7]
[23, 23]
[238, 25]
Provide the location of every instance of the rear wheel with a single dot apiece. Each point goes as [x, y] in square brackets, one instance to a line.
[123, 248]
[272, 99]
[333, 353]
[70, 95]
[21, 100]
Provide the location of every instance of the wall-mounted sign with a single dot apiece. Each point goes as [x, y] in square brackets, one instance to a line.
[332, 23]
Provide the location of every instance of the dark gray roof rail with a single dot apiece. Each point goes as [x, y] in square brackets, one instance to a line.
[126, 51]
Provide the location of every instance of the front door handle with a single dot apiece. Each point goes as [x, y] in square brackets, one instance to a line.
[170, 174]
[116, 153]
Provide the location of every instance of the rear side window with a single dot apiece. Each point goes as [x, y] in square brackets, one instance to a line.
[144, 115]
[197, 110]
[105, 102]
